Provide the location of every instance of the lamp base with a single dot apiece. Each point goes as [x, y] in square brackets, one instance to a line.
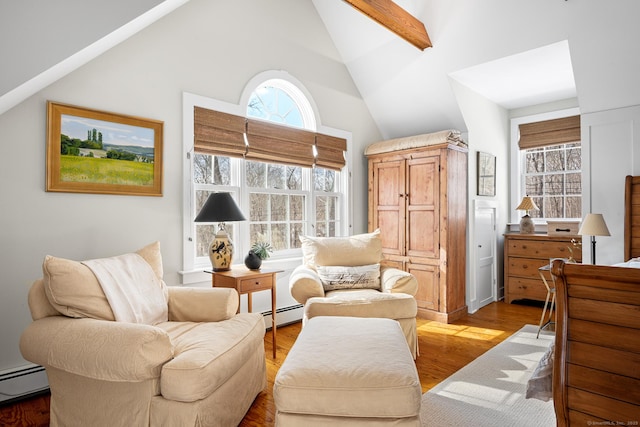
[526, 225]
[221, 252]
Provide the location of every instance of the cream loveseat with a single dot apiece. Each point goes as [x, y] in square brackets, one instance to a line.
[203, 365]
[342, 276]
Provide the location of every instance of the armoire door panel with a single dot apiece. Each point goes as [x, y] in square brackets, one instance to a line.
[422, 181]
[389, 222]
[423, 228]
[391, 176]
[422, 239]
[428, 289]
[389, 205]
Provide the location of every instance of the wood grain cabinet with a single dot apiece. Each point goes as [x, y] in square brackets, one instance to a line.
[524, 254]
[418, 200]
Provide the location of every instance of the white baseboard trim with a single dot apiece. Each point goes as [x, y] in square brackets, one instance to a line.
[22, 381]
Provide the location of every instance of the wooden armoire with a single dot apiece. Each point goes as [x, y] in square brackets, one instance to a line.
[418, 200]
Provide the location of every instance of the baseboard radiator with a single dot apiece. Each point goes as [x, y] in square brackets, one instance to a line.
[284, 315]
[22, 382]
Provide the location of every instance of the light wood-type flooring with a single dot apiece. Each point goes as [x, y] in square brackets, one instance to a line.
[444, 348]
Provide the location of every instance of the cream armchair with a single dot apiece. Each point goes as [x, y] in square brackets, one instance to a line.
[341, 276]
[203, 366]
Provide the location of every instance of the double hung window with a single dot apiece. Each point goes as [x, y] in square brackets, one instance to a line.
[551, 167]
[287, 179]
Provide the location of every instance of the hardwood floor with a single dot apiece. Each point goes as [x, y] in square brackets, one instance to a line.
[444, 348]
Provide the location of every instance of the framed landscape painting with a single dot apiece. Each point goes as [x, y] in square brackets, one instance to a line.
[91, 151]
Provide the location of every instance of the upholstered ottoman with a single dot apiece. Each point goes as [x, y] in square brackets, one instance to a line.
[348, 371]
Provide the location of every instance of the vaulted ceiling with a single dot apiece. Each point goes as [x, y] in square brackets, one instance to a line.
[516, 53]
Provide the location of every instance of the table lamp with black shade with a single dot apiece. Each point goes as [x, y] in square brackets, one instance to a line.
[594, 225]
[220, 208]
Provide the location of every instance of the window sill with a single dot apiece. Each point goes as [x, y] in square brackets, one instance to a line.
[540, 227]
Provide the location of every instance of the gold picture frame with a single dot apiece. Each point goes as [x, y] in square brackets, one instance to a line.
[486, 174]
[92, 151]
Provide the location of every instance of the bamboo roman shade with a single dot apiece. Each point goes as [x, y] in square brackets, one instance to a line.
[224, 134]
[549, 132]
[330, 151]
[273, 143]
[218, 133]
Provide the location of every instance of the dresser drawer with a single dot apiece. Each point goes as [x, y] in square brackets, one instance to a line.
[543, 249]
[525, 267]
[523, 288]
[256, 284]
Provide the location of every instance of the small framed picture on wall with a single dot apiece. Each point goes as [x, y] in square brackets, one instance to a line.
[486, 174]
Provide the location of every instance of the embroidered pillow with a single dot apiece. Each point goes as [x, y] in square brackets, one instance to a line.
[350, 277]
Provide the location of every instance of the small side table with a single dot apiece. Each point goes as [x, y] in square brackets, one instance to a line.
[246, 281]
[551, 294]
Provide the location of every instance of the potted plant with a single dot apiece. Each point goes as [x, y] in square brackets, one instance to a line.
[258, 252]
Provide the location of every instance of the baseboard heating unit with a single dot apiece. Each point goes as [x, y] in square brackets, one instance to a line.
[22, 382]
[284, 315]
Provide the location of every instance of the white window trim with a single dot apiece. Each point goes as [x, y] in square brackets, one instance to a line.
[193, 273]
[517, 178]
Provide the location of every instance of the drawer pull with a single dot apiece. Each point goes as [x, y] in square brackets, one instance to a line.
[565, 230]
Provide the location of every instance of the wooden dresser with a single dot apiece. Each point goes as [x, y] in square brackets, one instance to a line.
[524, 254]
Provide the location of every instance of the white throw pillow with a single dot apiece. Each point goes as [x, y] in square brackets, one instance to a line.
[350, 277]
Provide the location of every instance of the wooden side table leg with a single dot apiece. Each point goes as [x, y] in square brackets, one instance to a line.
[273, 315]
[249, 303]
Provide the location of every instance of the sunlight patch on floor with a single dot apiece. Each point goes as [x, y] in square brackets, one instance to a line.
[462, 331]
[480, 395]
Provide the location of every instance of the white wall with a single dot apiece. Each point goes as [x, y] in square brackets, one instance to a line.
[611, 151]
[488, 125]
[210, 48]
[36, 35]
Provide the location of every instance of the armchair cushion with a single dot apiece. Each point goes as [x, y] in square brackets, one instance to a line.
[305, 283]
[74, 290]
[350, 277]
[207, 354]
[396, 280]
[359, 249]
[95, 349]
[202, 304]
[362, 303]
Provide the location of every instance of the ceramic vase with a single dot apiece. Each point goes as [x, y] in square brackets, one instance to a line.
[252, 261]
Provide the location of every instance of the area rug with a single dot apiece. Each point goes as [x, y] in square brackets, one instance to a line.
[490, 391]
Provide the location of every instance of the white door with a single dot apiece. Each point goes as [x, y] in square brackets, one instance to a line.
[486, 286]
